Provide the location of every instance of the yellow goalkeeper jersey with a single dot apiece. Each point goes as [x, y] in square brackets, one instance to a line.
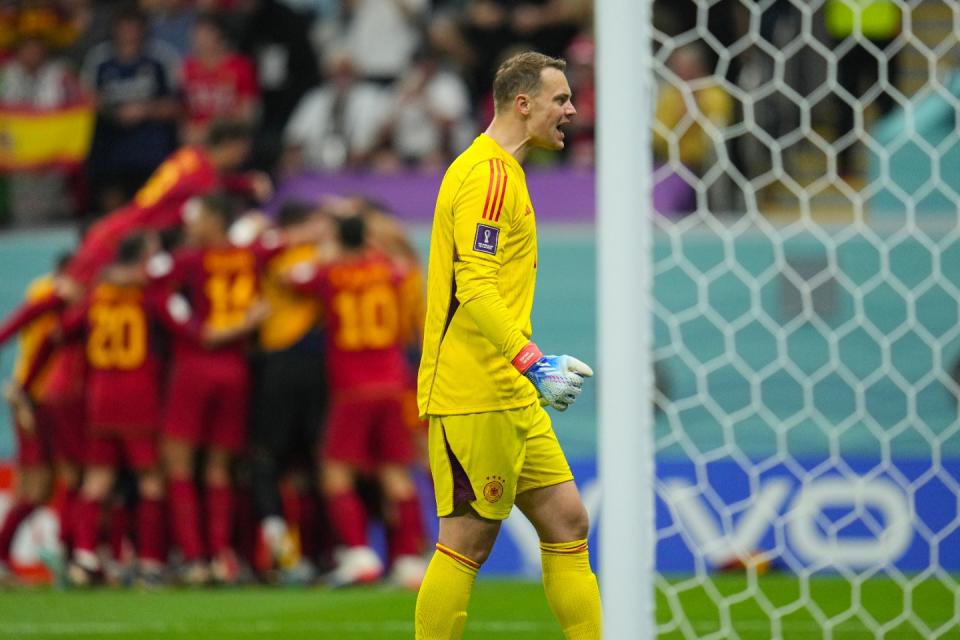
[480, 282]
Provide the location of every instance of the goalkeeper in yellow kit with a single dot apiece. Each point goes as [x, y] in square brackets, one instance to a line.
[483, 382]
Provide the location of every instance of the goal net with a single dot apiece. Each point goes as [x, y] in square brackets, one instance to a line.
[807, 318]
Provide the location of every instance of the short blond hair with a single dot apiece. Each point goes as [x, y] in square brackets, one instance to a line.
[520, 73]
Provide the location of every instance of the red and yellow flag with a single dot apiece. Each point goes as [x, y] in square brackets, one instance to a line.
[33, 138]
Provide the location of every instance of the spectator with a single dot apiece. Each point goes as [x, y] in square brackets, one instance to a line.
[34, 80]
[89, 24]
[478, 36]
[859, 70]
[337, 124]
[172, 22]
[134, 84]
[217, 82]
[277, 39]
[382, 36]
[683, 136]
[430, 121]
[581, 73]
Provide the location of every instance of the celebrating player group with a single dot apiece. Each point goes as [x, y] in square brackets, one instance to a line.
[147, 386]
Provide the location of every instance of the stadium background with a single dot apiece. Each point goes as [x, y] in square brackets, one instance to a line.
[809, 339]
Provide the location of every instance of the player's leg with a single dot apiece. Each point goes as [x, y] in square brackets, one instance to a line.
[182, 431]
[475, 461]
[98, 480]
[34, 483]
[226, 438]
[272, 428]
[143, 456]
[67, 414]
[346, 448]
[357, 562]
[32, 490]
[404, 525]
[178, 464]
[317, 535]
[151, 528]
[218, 487]
[120, 518]
[548, 497]
[464, 543]
[403, 516]
[67, 474]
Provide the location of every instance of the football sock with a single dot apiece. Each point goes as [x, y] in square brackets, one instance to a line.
[308, 526]
[441, 612]
[219, 517]
[150, 530]
[571, 588]
[17, 514]
[406, 535]
[244, 524]
[86, 524]
[66, 516]
[185, 516]
[349, 518]
[119, 527]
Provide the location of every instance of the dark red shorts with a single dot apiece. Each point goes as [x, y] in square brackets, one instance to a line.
[367, 431]
[66, 403]
[68, 418]
[138, 452]
[208, 406]
[124, 399]
[36, 447]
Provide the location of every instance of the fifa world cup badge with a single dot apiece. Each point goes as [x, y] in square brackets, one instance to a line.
[486, 239]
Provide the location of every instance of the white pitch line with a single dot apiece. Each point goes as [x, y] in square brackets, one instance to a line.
[399, 627]
[252, 628]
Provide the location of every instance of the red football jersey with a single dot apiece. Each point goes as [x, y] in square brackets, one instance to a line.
[120, 326]
[365, 324]
[157, 205]
[221, 285]
[213, 92]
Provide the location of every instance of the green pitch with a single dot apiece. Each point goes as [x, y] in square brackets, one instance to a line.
[499, 609]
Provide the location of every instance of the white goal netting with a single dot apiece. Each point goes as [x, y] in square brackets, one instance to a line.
[807, 318]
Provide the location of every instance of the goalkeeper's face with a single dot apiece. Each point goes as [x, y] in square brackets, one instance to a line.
[550, 109]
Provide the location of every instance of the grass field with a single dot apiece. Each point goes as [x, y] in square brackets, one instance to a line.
[499, 609]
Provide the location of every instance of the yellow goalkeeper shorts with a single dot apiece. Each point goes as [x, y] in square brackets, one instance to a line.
[486, 459]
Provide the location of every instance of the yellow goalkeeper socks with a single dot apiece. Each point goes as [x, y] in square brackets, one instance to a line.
[572, 589]
[444, 595]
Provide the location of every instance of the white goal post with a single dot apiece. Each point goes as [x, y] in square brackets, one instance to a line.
[779, 346]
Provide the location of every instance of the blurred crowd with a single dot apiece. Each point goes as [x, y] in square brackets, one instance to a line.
[382, 85]
[393, 85]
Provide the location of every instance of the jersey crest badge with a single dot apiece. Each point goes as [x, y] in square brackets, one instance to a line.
[493, 490]
[486, 239]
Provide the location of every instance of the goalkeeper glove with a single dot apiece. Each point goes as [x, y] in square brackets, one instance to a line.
[558, 379]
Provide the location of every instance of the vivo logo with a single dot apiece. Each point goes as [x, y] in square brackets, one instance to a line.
[805, 527]
[722, 531]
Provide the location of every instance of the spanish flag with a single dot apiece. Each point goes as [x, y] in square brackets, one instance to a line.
[32, 138]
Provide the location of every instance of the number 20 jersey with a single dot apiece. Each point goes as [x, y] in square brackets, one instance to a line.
[120, 326]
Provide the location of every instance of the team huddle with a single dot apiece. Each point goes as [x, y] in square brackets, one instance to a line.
[219, 364]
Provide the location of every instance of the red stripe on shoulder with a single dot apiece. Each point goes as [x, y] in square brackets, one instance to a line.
[496, 190]
[486, 204]
[503, 191]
